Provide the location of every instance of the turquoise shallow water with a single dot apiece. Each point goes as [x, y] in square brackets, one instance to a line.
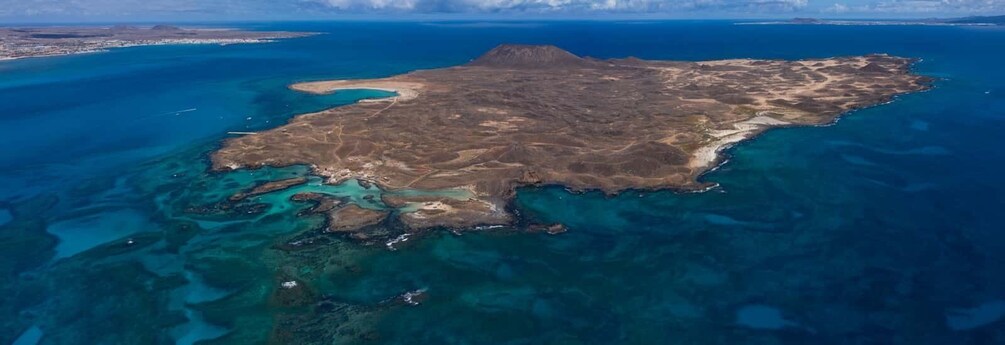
[883, 228]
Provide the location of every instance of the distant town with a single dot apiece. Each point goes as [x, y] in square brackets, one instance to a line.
[17, 43]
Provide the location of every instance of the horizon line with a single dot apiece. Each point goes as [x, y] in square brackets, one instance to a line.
[457, 18]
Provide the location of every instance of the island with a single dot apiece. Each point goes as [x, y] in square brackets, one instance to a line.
[524, 115]
[18, 43]
[963, 21]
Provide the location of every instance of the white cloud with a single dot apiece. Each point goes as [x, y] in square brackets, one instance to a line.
[125, 8]
[493, 6]
[837, 8]
[924, 7]
[369, 4]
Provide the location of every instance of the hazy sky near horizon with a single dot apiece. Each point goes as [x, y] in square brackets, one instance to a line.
[142, 10]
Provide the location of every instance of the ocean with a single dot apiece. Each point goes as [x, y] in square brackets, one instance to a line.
[883, 228]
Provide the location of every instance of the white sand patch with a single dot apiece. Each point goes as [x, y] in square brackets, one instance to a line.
[705, 156]
[405, 90]
[81, 234]
[415, 209]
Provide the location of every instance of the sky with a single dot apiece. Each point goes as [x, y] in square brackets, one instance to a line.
[19, 11]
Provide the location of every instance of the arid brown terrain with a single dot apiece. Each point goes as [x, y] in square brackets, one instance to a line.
[522, 115]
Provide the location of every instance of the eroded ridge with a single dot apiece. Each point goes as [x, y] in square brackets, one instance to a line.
[522, 115]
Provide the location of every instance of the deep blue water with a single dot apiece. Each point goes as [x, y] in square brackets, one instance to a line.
[883, 228]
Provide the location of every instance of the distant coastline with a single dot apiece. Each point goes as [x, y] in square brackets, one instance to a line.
[138, 44]
[34, 42]
[965, 21]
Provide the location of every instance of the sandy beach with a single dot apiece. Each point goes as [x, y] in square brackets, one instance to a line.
[405, 90]
[707, 155]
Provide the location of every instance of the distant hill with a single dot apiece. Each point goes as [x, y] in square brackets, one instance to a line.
[165, 28]
[528, 56]
[120, 28]
[806, 20]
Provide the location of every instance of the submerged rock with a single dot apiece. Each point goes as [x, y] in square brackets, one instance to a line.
[291, 293]
[553, 229]
[323, 203]
[268, 187]
[976, 317]
[762, 317]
